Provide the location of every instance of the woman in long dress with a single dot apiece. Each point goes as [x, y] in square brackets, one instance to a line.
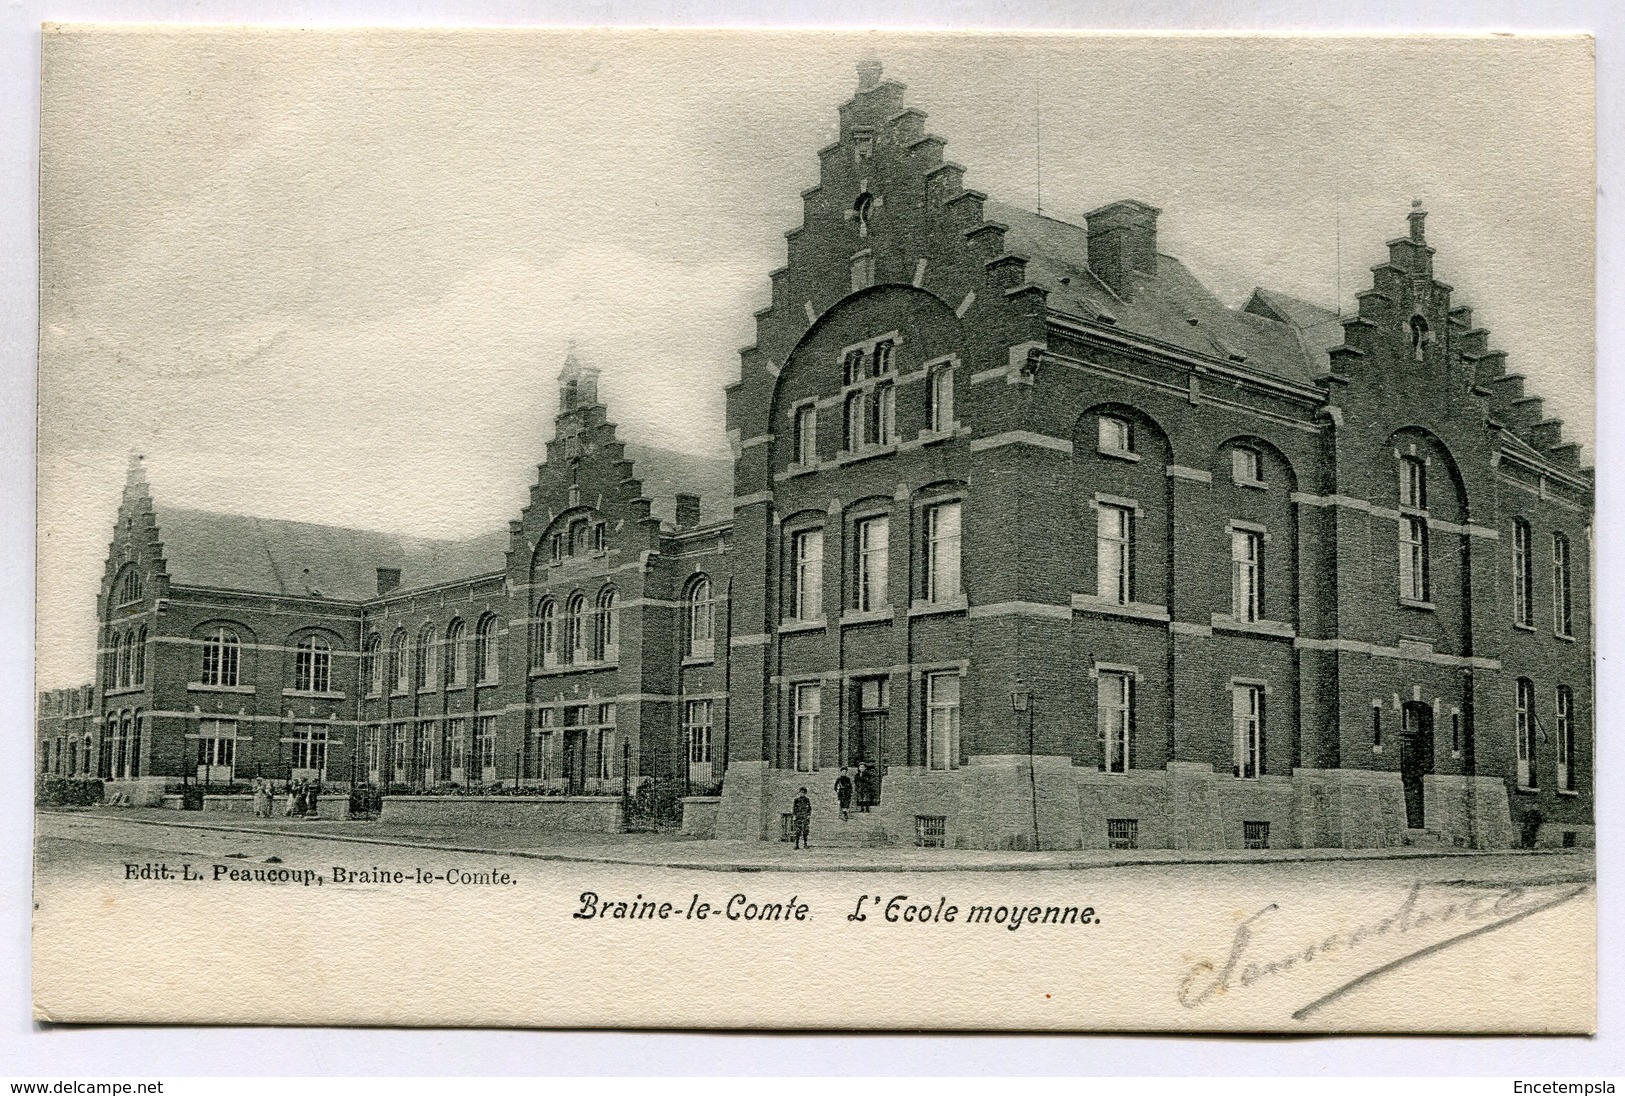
[262, 797]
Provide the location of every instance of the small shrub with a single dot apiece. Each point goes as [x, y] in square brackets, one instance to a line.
[67, 791]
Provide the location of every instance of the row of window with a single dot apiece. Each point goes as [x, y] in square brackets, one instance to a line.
[220, 747]
[581, 537]
[1523, 580]
[939, 720]
[587, 635]
[433, 659]
[869, 411]
[1532, 731]
[126, 660]
[870, 555]
[1114, 722]
[223, 662]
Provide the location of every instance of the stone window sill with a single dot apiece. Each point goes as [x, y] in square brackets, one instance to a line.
[1137, 610]
[310, 694]
[1277, 628]
[123, 689]
[867, 616]
[1523, 627]
[957, 604]
[791, 626]
[1519, 789]
[1568, 794]
[868, 452]
[1412, 603]
[1119, 454]
[795, 470]
[199, 687]
[1256, 485]
[1564, 636]
[699, 660]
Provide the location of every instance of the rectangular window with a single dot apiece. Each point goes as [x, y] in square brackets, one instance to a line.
[697, 732]
[942, 399]
[1526, 733]
[606, 753]
[809, 700]
[600, 536]
[1413, 558]
[852, 367]
[313, 666]
[1523, 575]
[807, 552]
[1565, 738]
[942, 721]
[854, 422]
[1562, 601]
[942, 552]
[457, 736]
[806, 431]
[883, 414]
[555, 547]
[1376, 726]
[1114, 553]
[1246, 466]
[310, 751]
[486, 744]
[217, 750]
[884, 359]
[1114, 716]
[1247, 722]
[1116, 435]
[872, 537]
[1246, 574]
[400, 741]
[1413, 483]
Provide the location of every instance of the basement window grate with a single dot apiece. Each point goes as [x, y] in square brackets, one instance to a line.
[1255, 835]
[1123, 833]
[931, 831]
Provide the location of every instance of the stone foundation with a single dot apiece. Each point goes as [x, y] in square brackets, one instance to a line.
[700, 815]
[542, 813]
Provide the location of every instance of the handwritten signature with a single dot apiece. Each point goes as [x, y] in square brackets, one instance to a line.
[1484, 912]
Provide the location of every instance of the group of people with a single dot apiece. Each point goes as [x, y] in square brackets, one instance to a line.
[301, 801]
[864, 788]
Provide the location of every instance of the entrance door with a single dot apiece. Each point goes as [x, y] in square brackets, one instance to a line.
[575, 762]
[1415, 759]
[869, 739]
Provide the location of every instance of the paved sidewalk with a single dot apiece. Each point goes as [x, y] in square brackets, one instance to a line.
[674, 851]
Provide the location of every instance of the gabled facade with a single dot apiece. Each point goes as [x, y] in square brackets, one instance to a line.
[1062, 549]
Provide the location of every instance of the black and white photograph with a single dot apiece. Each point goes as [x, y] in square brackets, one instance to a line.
[816, 531]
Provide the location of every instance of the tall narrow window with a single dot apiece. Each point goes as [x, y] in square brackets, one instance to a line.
[485, 745]
[220, 657]
[854, 421]
[884, 358]
[1562, 602]
[399, 668]
[1116, 435]
[1247, 729]
[1413, 557]
[806, 432]
[309, 759]
[129, 587]
[942, 552]
[313, 665]
[942, 399]
[547, 634]
[456, 655]
[138, 657]
[1114, 717]
[883, 414]
[372, 665]
[1246, 574]
[852, 367]
[1523, 575]
[485, 651]
[697, 730]
[217, 750]
[1565, 738]
[872, 542]
[606, 630]
[809, 702]
[423, 669]
[606, 742]
[122, 646]
[807, 574]
[1114, 553]
[1246, 465]
[575, 630]
[701, 618]
[1526, 734]
[1413, 483]
[942, 721]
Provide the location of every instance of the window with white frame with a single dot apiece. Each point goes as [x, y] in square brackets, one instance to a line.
[1116, 435]
[372, 665]
[399, 667]
[575, 629]
[808, 699]
[606, 742]
[1246, 465]
[1526, 727]
[545, 634]
[1413, 557]
[486, 747]
[1413, 483]
[221, 657]
[485, 651]
[883, 414]
[872, 544]
[217, 750]
[1246, 574]
[309, 761]
[942, 720]
[370, 751]
[606, 629]
[943, 546]
[1114, 553]
[852, 367]
[807, 574]
[884, 359]
[313, 665]
[1565, 738]
[1247, 729]
[138, 657]
[806, 435]
[1114, 717]
[941, 395]
[457, 740]
[456, 655]
[854, 421]
[129, 586]
[1523, 574]
[1562, 599]
[701, 614]
[423, 668]
[400, 750]
[697, 730]
[540, 755]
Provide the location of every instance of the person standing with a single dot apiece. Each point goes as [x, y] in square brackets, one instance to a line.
[262, 797]
[866, 788]
[843, 793]
[801, 820]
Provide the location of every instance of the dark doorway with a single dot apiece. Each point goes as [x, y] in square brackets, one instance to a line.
[575, 762]
[869, 739]
[1415, 759]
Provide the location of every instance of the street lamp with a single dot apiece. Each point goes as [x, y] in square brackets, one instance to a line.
[1021, 703]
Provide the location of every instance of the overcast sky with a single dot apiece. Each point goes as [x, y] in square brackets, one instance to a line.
[330, 276]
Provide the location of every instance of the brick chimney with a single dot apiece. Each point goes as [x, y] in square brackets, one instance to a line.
[388, 579]
[1122, 243]
[688, 511]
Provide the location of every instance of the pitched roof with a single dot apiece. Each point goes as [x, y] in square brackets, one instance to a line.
[1171, 306]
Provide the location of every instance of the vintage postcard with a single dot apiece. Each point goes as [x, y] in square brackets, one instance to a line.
[815, 531]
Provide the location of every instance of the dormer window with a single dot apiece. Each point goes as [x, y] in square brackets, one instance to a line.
[1116, 435]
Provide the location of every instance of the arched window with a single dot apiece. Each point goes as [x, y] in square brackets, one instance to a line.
[606, 630]
[138, 657]
[545, 648]
[942, 399]
[221, 657]
[485, 651]
[1562, 595]
[372, 665]
[1526, 726]
[397, 662]
[85, 756]
[134, 767]
[423, 666]
[129, 586]
[854, 422]
[575, 629]
[456, 656]
[73, 757]
[806, 434]
[699, 613]
[313, 665]
[121, 648]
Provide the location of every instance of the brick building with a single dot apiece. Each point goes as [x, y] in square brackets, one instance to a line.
[1065, 550]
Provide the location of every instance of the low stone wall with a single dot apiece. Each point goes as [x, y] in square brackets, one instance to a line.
[143, 791]
[700, 815]
[329, 808]
[541, 813]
